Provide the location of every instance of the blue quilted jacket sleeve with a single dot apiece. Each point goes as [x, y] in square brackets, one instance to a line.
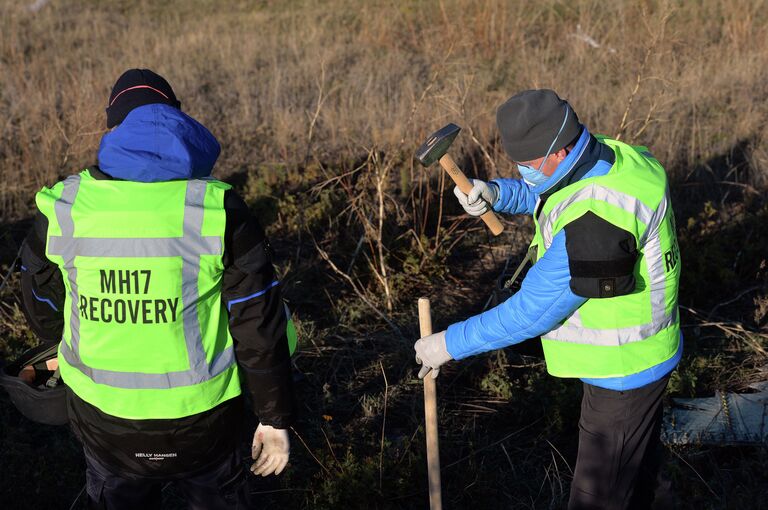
[515, 197]
[544, 300]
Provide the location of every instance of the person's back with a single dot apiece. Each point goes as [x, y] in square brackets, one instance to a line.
[160, 286]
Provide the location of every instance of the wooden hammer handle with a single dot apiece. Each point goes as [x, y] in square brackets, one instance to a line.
[449, 165]
[430, 416]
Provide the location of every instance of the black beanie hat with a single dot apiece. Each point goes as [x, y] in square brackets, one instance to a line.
[134, 88]
[529, 121]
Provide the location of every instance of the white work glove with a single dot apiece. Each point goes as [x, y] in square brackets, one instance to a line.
[480, 200]
[431, 353]
[271, 448]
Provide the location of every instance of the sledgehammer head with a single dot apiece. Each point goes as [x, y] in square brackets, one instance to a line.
[437, 144]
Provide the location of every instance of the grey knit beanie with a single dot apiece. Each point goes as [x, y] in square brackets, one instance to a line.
[529, 121]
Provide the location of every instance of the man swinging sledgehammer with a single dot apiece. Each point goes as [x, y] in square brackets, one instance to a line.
[602, 292]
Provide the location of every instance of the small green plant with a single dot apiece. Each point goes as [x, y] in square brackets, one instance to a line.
[497, 383]
[682, 383]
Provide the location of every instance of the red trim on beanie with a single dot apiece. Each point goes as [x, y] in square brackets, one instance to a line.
[137, 87]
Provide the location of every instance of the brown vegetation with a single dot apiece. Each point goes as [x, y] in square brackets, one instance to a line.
[318, 107]
[287, 82]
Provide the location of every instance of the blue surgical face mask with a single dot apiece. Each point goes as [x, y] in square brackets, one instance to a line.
[531, 176]
[534, 176]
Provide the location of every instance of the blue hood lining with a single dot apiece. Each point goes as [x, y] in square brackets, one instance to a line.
[157, 143]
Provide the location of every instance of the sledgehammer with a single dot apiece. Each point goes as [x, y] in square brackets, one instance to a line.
[435, 149]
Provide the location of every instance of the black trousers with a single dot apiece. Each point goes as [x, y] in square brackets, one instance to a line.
[221, 486]
[619, 448]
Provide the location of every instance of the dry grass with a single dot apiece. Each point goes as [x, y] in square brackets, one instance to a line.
[292, 82]
[319, 106]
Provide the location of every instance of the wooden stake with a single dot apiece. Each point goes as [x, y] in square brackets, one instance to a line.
[430, 416]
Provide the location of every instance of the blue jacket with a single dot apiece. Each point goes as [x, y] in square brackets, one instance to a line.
[157, 143]
[545, 298]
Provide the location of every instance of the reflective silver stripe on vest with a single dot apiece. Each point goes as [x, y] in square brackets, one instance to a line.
[190, 270]
[573, 330]
[123, 247]
[595, 192]
[133, 380]
[189, 247]
[609, 337]
[63, 209]
[575, 319]
[654, 260]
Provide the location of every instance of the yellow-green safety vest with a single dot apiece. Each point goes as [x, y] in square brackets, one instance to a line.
[145, 330]
[623, 335]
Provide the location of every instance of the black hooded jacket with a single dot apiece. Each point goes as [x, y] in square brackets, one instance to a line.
[173, 447]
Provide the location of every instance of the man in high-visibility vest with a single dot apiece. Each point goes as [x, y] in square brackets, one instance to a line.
[602, 291]
[159, 285]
